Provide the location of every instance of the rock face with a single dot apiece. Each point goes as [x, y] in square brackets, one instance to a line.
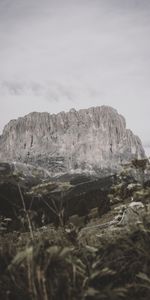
[88, 139]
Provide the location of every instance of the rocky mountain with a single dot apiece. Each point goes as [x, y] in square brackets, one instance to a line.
[85, 140]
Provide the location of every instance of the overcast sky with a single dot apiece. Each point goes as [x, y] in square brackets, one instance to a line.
[59, 54]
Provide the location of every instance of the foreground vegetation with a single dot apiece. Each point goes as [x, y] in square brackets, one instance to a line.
[102, 254]
[60, 264]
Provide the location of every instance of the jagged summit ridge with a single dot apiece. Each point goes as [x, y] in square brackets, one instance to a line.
[88, 139]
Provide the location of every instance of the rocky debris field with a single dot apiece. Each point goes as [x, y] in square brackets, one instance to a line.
[47, 199]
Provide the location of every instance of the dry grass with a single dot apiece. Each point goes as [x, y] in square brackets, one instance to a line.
[52, 266]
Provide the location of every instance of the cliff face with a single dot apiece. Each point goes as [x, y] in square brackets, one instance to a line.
[88, 139]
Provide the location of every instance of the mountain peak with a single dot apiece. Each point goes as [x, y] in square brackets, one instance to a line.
[87, 139]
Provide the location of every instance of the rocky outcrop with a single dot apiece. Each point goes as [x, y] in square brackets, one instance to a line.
[88, 139]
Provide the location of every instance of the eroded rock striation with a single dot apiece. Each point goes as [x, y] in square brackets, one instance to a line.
[85, 140]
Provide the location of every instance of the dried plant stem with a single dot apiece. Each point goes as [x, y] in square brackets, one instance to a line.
[27, 215]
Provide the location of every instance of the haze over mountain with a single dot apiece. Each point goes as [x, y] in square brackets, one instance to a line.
[58, 54]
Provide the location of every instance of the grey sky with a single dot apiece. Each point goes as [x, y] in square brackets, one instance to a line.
[59, 54]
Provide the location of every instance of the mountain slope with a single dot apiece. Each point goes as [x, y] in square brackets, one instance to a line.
[88, 139]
